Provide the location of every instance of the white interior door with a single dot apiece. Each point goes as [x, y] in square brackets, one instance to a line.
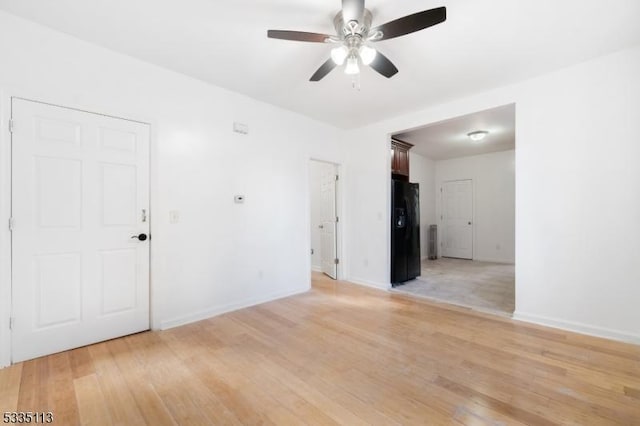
[79, 194]
[457, 219]
[328, 226]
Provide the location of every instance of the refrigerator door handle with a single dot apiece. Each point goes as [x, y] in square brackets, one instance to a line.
[408, 221]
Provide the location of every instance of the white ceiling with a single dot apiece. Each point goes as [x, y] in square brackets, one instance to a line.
[448, 139]
[483, 44]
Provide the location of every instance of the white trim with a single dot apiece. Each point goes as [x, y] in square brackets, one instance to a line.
[154, 208]
[62, 100]
[503, 261]
[315, 268]
[387, 215]
[219, 310]
[371, 284]
[5, 235]
[578, 327]
[20, 98]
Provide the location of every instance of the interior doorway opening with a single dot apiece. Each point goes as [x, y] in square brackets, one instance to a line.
[324, 221]
[465, 169]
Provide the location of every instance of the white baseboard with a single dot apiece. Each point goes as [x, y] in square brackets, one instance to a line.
[5, 340]
[483, 259]
[578, 327]
[367, 283]
[5, 355]
[219, 310]
[316, 268]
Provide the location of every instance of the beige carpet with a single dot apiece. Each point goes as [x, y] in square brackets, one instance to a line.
[481, 285]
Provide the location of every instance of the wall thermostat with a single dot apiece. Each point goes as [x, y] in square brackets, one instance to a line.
[238, 199]
[241, 128]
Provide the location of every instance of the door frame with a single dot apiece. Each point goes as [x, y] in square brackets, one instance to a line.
[340, 270]
[6, 98]
[441, 217]
[5, 235]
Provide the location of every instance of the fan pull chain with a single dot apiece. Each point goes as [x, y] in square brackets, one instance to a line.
[355, 82]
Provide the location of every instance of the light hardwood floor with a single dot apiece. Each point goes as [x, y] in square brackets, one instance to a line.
[339, 354]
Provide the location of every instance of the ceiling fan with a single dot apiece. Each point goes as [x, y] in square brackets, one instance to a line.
[354, 34]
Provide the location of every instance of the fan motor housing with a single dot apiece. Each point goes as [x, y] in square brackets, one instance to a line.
[343, 28]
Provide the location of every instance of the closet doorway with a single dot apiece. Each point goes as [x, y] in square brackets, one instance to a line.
[324, 181]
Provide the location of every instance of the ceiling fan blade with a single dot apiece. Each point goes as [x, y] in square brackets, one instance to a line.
[411, 23]
[352, 10]
[324, 69]
[298, 36]
[384, 66]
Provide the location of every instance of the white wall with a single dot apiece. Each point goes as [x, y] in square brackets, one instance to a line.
[422, 170]
[494, 202]
[577, 197]
[577, 181]
[577, 186]
[220, 255]
[368, 190]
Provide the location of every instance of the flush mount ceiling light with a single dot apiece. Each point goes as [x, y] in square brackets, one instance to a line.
[478, 135]
[354, 34]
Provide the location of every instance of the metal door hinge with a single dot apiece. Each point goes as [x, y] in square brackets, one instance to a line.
[337, 219]
[12, 126]
[337, 177]
[11, 323]
[336, 261]
[11, 224]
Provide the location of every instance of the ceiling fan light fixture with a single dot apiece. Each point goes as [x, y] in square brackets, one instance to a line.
[353, 31]
[352, 67]
[339, 54]
[478, 135]
[367, 54]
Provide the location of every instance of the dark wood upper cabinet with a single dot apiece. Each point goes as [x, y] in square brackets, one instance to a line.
[400, 159]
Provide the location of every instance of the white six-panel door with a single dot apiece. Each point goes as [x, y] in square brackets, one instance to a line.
[328, 241]
[457, 219]
[79, 194]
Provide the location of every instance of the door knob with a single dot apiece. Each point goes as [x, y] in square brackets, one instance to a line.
[321, 226]
[469, 223]
[140, 237]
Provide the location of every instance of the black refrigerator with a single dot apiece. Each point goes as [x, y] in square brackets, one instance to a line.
[405, 231]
